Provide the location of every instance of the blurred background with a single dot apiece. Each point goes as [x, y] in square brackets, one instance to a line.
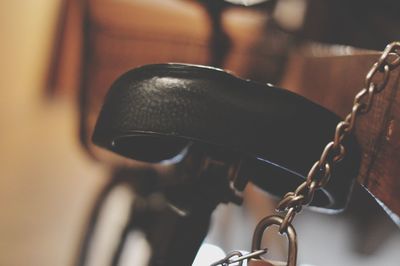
[58, 59]
[47, 181]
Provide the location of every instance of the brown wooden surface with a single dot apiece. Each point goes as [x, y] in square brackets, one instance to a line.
[331, 76]
[66, 66]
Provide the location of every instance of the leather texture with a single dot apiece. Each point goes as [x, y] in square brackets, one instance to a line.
[154, 112]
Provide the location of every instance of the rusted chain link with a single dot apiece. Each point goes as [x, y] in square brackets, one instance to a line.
[319, 174]
[375, 81]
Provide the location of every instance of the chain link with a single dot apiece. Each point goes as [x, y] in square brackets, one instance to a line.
[375, 81]
[236, 257]
[292, 202]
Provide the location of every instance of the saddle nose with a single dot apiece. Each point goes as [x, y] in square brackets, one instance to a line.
[153, 112]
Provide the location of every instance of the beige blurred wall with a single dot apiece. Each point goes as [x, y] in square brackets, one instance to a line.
[27, 28]
[47, 182]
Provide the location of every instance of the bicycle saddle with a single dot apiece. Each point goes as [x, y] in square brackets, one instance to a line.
[154, 112]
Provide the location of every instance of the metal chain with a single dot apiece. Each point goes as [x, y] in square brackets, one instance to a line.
[292, 203]
[229, 259]
[319, 174]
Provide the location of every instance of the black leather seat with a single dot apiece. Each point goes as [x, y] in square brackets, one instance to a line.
[153, 112]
